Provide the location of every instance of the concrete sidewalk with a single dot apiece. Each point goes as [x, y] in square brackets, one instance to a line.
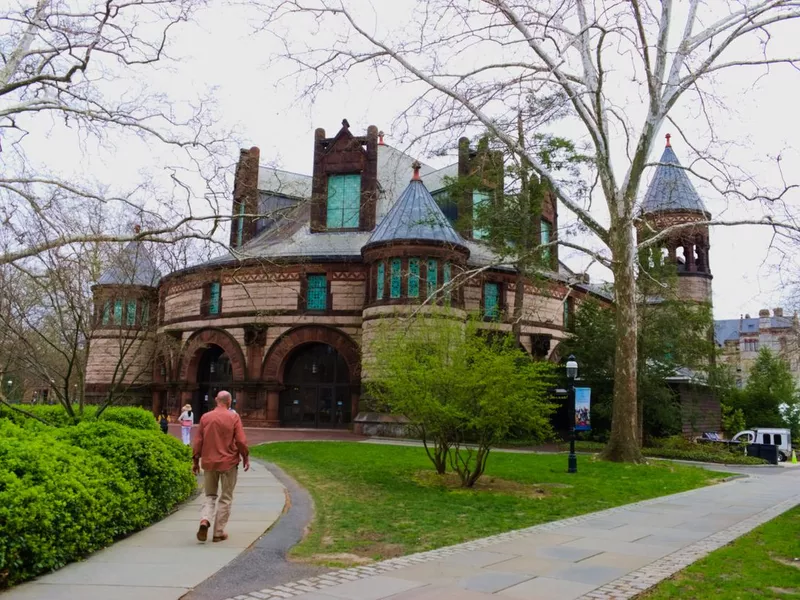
[613, 554]
[165, 561]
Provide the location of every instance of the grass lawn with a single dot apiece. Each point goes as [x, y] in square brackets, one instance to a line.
[380, 501]
[762, 565]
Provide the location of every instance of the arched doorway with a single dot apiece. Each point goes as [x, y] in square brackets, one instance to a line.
[317, 388]
[214, 373]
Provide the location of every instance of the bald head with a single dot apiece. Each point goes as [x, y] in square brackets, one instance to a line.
[224, 399]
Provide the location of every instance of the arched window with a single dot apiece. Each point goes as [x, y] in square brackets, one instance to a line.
[433, 275]
[413, 278]
[395, 288]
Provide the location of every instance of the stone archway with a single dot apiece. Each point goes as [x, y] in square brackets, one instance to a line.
[274, 366]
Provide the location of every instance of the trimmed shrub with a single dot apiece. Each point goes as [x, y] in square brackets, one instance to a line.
[68, 491]
[702, 454]
[131, 416]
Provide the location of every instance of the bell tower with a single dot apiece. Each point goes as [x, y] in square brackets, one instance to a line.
[672, 200]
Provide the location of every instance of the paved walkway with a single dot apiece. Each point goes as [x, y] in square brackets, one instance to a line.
[165, 561]
[612, 554]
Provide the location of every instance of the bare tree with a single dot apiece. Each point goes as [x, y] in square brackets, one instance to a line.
[623, 68]
[84, 71]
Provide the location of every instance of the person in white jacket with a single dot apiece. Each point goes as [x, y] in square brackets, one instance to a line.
[186, 420]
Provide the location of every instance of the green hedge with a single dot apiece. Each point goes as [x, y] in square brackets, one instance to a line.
[701, 454]
[131, 416]
[65, 492]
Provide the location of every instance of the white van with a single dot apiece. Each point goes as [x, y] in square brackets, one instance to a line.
[782, 438]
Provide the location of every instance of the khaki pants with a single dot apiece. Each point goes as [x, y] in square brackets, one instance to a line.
[213, 480]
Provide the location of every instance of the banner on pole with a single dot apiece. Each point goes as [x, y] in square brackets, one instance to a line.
[583, 409]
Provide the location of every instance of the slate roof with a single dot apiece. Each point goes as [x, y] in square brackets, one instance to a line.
[671, 190]
[416, 216]
[132, 266]
[729, 329]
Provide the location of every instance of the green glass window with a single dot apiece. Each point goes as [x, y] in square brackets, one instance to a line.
[413, 278]
[380, 281]
[106, 312]
[130, 317]
[344, 201]
[433, 275]
[547, 230]
[213, 298]
[447, 204]
[145, 313]
[118, 312]
[447, 275]
[478, 199]
[317, 294]
[395, 287]
[491, 300]
[240, 225]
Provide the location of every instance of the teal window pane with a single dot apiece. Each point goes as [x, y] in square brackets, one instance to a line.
[106, 312]
[395, 287]
[546, 236]
[413, 278]
[213, 298]
[433, 276]
[317, 295]
[447, 275]
[130, 318]
[118, 312]
[344, 201]
[447, 204]
[478, 199]
[380, 280]
[491, 300]
[240, 225]
[145, 313]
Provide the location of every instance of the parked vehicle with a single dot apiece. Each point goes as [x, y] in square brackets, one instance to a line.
[782, 438]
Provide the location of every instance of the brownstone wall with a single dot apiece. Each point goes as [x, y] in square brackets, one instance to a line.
[106, 354]
[700, 410]
[695, 287]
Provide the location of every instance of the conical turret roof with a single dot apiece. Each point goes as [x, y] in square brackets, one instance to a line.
[132, 266]
[671, 190]
[415, 217]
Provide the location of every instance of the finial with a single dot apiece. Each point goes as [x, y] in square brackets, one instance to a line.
[380, 138]
[137, 229]
[345, 124]
[668, 136]
[416, 165]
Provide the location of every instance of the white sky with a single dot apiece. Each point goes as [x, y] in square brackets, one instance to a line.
[219, 51]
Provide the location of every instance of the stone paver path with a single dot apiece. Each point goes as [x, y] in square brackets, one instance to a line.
[165, 561]
[612, 554]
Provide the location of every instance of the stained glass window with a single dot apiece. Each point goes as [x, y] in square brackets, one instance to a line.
[447, 275]
[433, 276]
[491, 300]
[317, 295]
[130, 317]
[106, 312]
[145, 313]
[380, 280]
[213, 298]
[395, 287]
[478, 199]
[344, 201]
[413, 278]
[118, 312]
[240, 225]
[547, 229]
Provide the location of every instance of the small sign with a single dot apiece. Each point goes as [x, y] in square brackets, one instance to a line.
[583, 409]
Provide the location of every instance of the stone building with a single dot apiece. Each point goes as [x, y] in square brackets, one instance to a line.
[316, 262]
[741, 339]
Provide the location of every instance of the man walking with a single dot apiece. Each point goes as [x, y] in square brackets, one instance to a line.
[219, 442]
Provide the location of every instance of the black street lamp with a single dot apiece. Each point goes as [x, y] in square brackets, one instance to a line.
[572, 373]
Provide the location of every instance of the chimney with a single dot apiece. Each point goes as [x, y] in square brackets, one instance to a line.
[763, 319]
[778, 312]
[245, 197]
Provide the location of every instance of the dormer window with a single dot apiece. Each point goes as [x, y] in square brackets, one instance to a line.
[344, 201]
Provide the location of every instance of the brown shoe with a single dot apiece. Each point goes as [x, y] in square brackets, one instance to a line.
[202, 533]
[220, 538]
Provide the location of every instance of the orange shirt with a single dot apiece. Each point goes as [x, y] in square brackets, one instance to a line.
[220, 440]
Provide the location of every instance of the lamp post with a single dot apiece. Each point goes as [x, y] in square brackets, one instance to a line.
[572, 373]
[10, 383]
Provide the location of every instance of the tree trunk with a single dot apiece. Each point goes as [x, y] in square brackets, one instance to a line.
[623, 444]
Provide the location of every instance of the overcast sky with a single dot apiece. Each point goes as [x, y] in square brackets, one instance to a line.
[268, 111]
